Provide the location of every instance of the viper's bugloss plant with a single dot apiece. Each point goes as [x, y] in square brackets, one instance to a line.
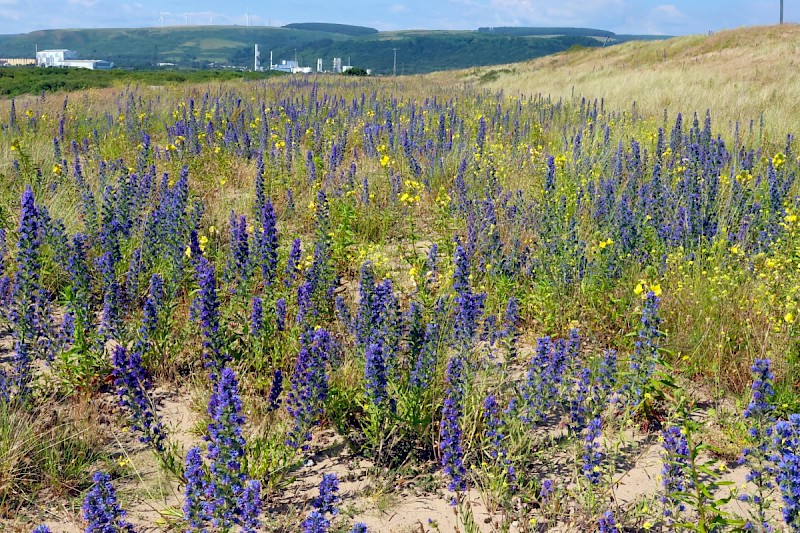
[450, 433]
[292, 263]
[280, 314]
[133, 384]
[674, 474]
[787, 459]
[267, 243]
[80, 285]
[275, 390]
[250, 506]
[498, 450]
[542, 379]
[111, 322]
[645, 355]
[309, 386]
[328, 497]
[315, 522]
[607, 524]
[225, 451]
[578, 409]
[375, 373]
[152, 308]
[101, 511]
[469, 306]
[25, 313]
[238, 267]
[605, 382]
[256, 316]
[510, 333]
[593, 455]
[194, 493]
[206, 308]
[757, 455]
[425, 364]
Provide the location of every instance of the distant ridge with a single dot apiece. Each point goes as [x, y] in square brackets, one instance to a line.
[344, 29]
[418, 51]
[524, 30]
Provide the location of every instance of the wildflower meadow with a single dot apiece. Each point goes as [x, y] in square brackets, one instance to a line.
[305, 303]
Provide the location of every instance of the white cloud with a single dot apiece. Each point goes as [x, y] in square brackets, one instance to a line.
[567, 13]
[10, 14]
[668, 10]
[665, 19]
[82, 3]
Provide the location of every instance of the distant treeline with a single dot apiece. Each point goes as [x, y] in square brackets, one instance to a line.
[213, 47]
[15, 81]
[419, 53]
[344, 29]
[513, 30]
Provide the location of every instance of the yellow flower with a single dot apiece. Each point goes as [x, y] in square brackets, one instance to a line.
[223, 181]
[188, 253]
[412, 273]
[639, 289]
[606, 243]
[789, 317]
[57, 169]
[212, 230]
[384, 160]
[656, 289]
[203, 240]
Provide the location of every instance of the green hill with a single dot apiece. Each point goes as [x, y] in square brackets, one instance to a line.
[344, 29]
[199, 46]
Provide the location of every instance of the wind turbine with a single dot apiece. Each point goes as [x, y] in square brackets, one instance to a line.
[186, 16]
[247, 15]
[161, 17]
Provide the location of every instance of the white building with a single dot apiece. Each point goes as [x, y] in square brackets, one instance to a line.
[91, 64]
[291, 67]
[54, 58]
[69, 58]
[286, 66]
[337, 65]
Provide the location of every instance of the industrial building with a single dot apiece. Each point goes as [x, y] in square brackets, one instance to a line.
[292, 67]
[69, 58]
[54, 58]
[16, 62]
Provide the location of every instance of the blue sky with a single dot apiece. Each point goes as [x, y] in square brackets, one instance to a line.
[677, 17]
